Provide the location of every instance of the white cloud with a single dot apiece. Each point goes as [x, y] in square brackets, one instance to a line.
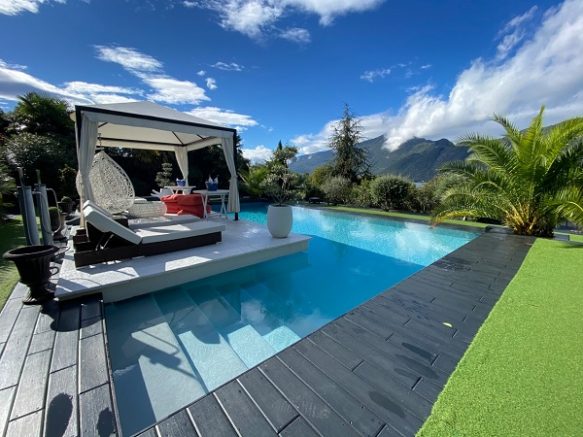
[211, 83]
[174, 91]
[544, 69]
[201, 73]
[514, 32]
[255, 17]
[14, 82]
[15, 7]
[4, 64]
[426, 66]
[257, 154]
[99, 93]
[129, 58]
[372, 75]
[165, 89]
[224, 117]
[228, 66]
[296, 34]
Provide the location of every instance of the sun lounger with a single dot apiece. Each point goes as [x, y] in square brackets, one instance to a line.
[147, 222]
[109, 240]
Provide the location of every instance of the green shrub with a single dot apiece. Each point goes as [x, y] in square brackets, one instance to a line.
[361, 194]
[392, 192]
[337, 190]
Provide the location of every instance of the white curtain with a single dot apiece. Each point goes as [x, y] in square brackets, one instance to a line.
[182, 159]
[86, 152]
[234, 205]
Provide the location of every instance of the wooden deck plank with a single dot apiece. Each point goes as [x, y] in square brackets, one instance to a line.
[16, 347]
[29, 426]
[312, 408]
[8, 318]
[209, 418]
[380, 399]
[353, 411]
[66, 342]
[30, 394]
[242, 412]
[61, 403]
[6, 397]
[93, 363]
[178, 424]
[96, 412]
[278, 411]
[298, 428]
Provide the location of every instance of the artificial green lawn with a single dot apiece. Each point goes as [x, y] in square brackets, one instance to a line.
[11, 235]
[523, 373]
[403, 215]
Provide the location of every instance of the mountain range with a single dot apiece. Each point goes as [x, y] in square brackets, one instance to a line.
[417, 158]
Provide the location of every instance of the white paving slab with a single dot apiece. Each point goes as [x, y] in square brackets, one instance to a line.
[244, 243]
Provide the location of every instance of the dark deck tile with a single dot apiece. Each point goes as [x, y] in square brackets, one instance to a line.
[276, 409]
[343, 355]
[244, 415]
[6, 397]
[30, 394]
[66, 342]
[298, 428]
[8, 318]
[96, 412]
[178, 424]
[93, 363]
[348, 407]
[90, 327]
[382, 400]
[16, 347]
[29, 426]
[42, 342]
[61, 403]
[312, 408]
[209, 418]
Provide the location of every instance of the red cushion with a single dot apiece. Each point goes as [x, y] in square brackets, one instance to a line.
[190, 199]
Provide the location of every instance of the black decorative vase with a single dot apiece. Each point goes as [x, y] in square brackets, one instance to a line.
[34, 266]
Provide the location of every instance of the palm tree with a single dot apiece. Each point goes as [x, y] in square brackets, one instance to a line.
[530, 179]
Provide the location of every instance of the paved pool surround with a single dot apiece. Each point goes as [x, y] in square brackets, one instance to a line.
[376, 370]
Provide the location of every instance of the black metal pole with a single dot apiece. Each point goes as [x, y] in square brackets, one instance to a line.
[236, 175]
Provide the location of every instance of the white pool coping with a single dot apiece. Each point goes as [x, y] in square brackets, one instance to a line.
[244, 243]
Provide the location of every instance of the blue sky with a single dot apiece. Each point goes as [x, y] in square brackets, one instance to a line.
[282, 69]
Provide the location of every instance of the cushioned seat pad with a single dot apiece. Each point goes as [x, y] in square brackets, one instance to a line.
[156, 234]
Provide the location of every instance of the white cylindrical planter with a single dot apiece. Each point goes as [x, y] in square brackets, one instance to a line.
[279, 220]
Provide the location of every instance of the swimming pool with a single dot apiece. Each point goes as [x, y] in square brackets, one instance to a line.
[171, 347]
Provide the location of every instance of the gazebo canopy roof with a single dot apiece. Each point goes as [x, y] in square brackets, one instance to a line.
[146, 125]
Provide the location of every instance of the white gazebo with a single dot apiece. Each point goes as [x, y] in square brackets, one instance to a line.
[148, 126]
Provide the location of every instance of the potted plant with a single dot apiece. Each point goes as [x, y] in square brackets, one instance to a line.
[66, 205]
[279, 213]
[33, 264]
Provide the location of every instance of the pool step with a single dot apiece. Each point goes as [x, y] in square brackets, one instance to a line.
[211, 356]
[153, 377]
[223, 311]
[267, 322]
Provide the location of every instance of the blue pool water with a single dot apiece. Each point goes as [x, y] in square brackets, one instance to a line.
[171, 347]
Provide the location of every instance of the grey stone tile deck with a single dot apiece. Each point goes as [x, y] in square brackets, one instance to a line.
[374, 371]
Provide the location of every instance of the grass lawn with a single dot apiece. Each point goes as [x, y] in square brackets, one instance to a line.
[403, 215]
[11, 235]
[523, 373]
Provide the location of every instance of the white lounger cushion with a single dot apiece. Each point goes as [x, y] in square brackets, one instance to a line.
[165, 220]
[155, 234]
[106, 224]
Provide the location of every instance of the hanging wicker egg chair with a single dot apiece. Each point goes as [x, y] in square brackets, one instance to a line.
[111, 186]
